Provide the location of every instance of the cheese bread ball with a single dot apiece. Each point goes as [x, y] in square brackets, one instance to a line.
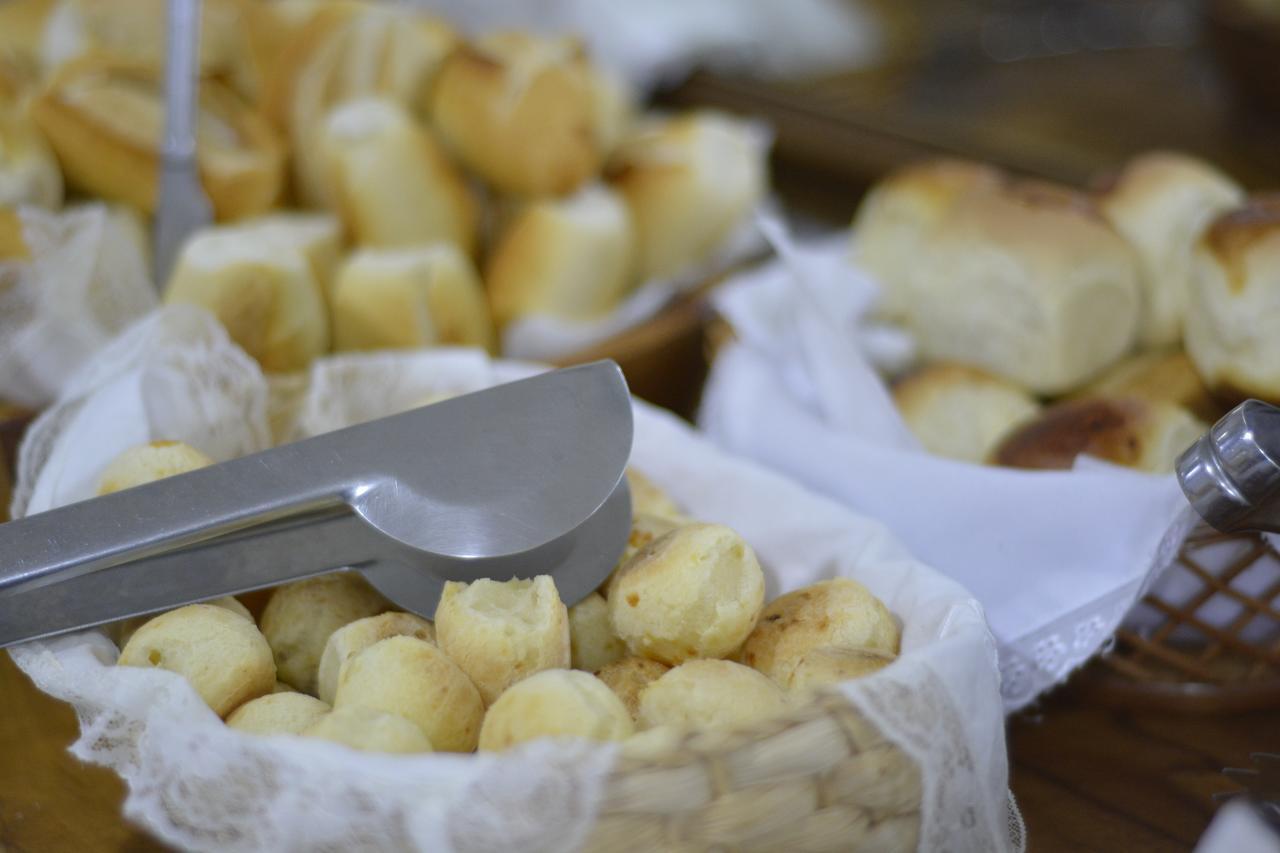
[501, 632]
[278, 714]
[220, 653]
[592, 642]
[837, 612]
[629, 677]
[693, 593]
[555, 703]
[710, 694]
[648, 499]
[123, 630]
[359, 635]
[300, 617]
[644, 530]
[369, 730]
[413, 678]
[148, 463]
[832, 664]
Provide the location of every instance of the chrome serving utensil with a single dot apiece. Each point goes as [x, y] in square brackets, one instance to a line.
[521, 479]
[1231, 475]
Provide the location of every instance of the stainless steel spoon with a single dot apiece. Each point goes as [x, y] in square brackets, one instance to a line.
[1231, 475]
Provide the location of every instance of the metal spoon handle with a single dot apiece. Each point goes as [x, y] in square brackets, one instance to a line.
[1231, 475]
[181, 69]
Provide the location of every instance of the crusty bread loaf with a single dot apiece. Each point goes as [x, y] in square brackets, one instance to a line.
[278, 714]
[568, 258]
[629, 677]
[520, 110]
[355, 637]
[148, 463]
[555, 703]
[593, 644]
[410, 297]
[29, 171]
[1162, 376]
[1160, 203]
[1234, 309]
[1128, 431]
[961, 412]
[370, 730]
[1028, 282]
[710, 694]
[896, 216]
[104, 120]
[690, 182]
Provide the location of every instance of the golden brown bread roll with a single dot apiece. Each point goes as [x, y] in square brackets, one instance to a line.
[1234, 309]
[555, 703]
[827, 665]
[569, 258]
[1160, 203]
[104, 120]
[960, 412]
[29, 171]
[370, 730]
[895, 219]
[124, 630]
[520, 110]
[690, 182]
[1028, 282]
[1128, 431]
[1161, 377]
[278, 714]
[318, 236]
[355, 637]
[710, 694]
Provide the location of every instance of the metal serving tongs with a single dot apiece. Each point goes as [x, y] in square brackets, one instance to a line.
[521, 479]
[1231, 475]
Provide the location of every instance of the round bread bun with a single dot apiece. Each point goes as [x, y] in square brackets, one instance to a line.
[629, 677]
[836, 612]
[221, 654]
[592, 642]
[408, 298]
[693, 593]
[300, 616]
[648, 499]
[1166, 376]
[392, 183]
[568, 258]
[710, 694]
[1127, 431]
[124, 630]
[828, 665]
[897, 215]
[644, 530]
[369, 730]
[29, 171]
[1232, 315]
[278, 714]
[521, 112]
[413, 678]
[355, 637]
[690, 182]
[500, 632]
[555, 703]
[1160, 203]
[147, 463]
[960, 412]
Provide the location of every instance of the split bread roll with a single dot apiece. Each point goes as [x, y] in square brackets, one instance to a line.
[261, 287]
[278, 714]
[1160, 203]
[521, 112]
[221, 654]
[569, 258]
[407, 298]
[1127, 431]
[1028, 282]
[960, 412]
[628, 678]
[710, 694]
[29, 172]
[369, 730]
[148, 463]
[555, 703]
[690, 181]
[1234, 310]
[392, 184]
[105, 122]
[355, 637]
[1160, 377]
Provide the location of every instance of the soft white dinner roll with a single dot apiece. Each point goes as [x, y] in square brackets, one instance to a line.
[300, 616]
[500, 632]
[220, 653]
[837, 612]
[278, 714]
[710, 694]
[520, 110]
[410, 297]
[393, 184]
[690, 182]
[568, 258]
[1028, 282]
[318, 236]
[1166, 376]
[961, 412]
[124, 630]
[148, 463]
[592, 641]
[694, 592]
[555, 703]
[355, 637]
[896, 216]
[415, 679]
[1234, 310]
[828, 665]
[261, 290]
[1143, 434]
[629, 677]
[648, 499]
[369, 730]
[29, 172]
[1161, 202]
